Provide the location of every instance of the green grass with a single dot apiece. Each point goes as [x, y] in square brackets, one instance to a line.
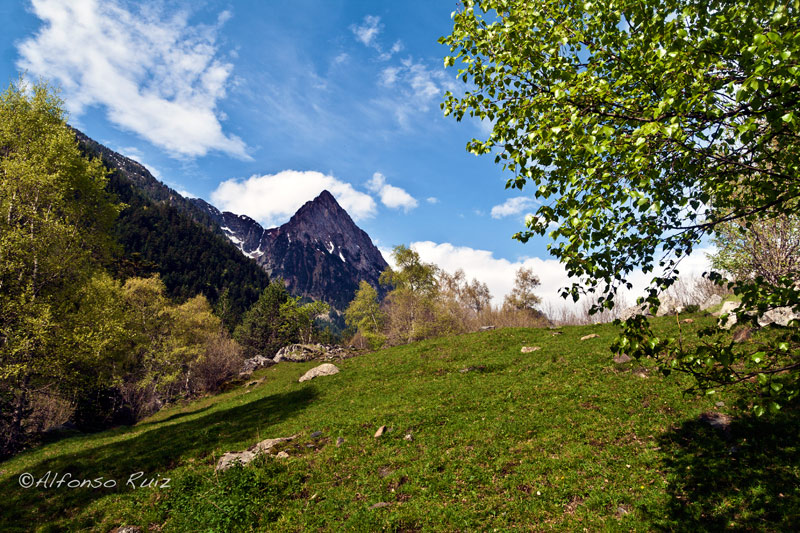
[558, 439]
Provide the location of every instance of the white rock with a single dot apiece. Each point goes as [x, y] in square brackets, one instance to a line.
[245, 457]
[326, 369]
[642, 309]
[728, 308]
[713, 300]
[780, 316]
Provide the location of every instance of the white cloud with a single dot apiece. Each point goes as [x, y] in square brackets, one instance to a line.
[388, 76]
[416, 88]
[512, 206]
[391, 196]
[396, 47]
[155, 74]
[367, 34]
[368, 31]
[432, 200]
[272, 198]
[498, 274]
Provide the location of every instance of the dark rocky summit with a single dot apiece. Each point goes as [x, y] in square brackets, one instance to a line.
[320, 253]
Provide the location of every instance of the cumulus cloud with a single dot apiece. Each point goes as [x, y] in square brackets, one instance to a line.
[391, 196]
[512, 206]
[272, 198]
[432, 200]
[155, 74]
[498, 273]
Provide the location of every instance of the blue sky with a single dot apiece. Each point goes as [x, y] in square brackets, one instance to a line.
[256, 106]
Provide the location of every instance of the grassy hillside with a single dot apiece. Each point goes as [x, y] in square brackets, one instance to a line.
[558, 439]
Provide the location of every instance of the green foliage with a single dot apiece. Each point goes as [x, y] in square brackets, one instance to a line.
[297, 320]
[55, 217]
[642, 126]
[277, 320]
[365, 315]
[769, 248]
[239, 499]
[190, 259]
[522, 296]
[411, 305]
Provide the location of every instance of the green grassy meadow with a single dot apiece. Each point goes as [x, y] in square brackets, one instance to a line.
[559, 439]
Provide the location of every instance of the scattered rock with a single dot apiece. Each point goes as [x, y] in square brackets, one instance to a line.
[713, 300]
[529, 349]
[316, 434]
[573, 505]
[780, 316]
[301, 353]
[640, 372]
[669, 306]
[622, 358]
[688, 321]
[590, 336]
[622, 510]
[325, 369]
[245, 457]
[472, 369]
[282, 455]
[728, 308]
[380, 505]
[339, 441]
[742, 334]
[254, 363]
[384, 471]
[409, 437]
[127, 529]
[720, 404]
[487, 328]
[641, 309]
[718, 421]
[381, 431]
[556, 333]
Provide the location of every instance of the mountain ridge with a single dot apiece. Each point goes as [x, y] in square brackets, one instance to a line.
[320, 252]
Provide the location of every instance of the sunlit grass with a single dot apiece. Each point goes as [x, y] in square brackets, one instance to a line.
[482, 437]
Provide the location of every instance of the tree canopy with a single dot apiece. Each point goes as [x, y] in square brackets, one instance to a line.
[642, 126]
[55, 220]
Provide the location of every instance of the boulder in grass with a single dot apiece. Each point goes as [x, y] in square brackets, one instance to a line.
[325, 369]
[231, 458]
[728, 308]
[780, 316]
[529, 349]
[254, 363]
[622, 358]
[589, 336]
[713, 301]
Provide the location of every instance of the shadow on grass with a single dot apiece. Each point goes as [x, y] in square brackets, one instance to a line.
[154, 452]
[174, 417]
[743, 478]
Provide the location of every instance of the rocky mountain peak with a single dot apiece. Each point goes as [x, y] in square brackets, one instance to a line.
[320, 252]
